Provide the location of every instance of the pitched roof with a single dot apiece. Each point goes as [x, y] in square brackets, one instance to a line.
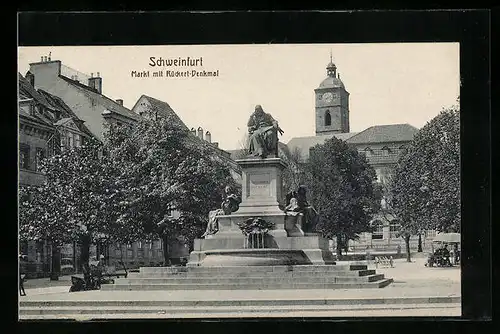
[28, 91]
[384, 134]
[58, 104]
[164, 109]
[108, 103]
[305, 143]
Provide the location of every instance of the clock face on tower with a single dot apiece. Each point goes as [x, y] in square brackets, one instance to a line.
[328, 96]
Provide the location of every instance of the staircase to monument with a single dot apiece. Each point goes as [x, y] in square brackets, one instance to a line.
[252, 278]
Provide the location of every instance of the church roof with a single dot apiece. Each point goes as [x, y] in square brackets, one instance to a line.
[305, 143]
[385, 133]
[331, 82]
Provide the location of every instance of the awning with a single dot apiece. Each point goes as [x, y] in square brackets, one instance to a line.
[447, 237]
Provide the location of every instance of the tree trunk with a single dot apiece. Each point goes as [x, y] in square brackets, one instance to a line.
[166, 256]
[85, 250]
[407, 243]
[419, 243]
[339, 246]
[56, 263]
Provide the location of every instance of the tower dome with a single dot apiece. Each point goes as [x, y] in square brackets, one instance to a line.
[332, 80]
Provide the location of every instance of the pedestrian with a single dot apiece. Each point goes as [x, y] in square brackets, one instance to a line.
[22, 275]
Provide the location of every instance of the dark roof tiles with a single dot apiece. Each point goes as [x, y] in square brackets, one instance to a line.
[385, 134]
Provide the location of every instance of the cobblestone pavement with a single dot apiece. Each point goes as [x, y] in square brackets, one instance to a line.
[410, 279]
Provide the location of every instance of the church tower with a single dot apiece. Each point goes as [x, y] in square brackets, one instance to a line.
[332, 104]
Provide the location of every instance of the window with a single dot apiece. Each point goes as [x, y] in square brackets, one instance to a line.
[394, 229]
[378, 230]
[130, 253]
[386, 151]
[77, 140]
[70, 140]
[368, 152]
[24, 156]
[40, 155]
[140, 244]
[328, 118]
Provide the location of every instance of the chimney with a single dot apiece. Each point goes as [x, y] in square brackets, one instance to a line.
[200, 133]
[31, 78]
[193, 131]
[119, 101]
[96, 83]
[208, 136]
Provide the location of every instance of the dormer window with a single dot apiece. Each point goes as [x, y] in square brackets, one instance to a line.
[386, 150]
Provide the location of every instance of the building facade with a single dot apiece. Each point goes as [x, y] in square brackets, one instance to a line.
[47, 126]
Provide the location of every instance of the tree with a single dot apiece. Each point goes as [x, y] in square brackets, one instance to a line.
[164, 169]
[294, 174]
[425, 190]
[40, 219]
[343, 189]
[75, 202]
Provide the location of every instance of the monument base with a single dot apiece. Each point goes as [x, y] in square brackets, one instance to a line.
[279, 250]
[286, 244]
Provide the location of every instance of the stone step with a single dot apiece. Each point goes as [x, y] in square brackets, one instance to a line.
[294, 268]
[249, 280]
[221, 274]
[95, 303]
[249, 286]
[123, 310]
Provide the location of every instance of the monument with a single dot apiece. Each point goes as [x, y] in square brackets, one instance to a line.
[256, 241]
[284, 242]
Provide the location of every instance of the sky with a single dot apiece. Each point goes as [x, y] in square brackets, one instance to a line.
[388, 83]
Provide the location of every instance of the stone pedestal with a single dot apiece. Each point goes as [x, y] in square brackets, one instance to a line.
[262, 197]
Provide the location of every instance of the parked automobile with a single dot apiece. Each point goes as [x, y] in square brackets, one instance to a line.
[67, 266]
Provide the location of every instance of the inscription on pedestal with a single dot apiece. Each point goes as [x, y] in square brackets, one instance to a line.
[260, 185]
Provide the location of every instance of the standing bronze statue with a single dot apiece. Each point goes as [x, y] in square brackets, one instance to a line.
[263, 130]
